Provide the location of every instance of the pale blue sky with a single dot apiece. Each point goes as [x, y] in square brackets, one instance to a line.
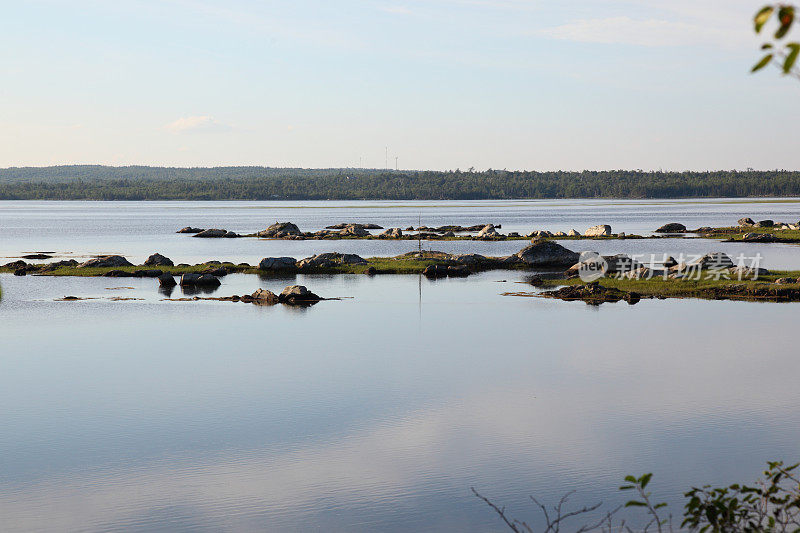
[517, 84]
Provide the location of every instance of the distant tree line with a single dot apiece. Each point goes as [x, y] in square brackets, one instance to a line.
[263, 183]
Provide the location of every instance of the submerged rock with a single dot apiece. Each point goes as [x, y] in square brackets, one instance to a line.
[441, 271]
[345, 224]
[592, 293]
[189, 229]
[106, 262]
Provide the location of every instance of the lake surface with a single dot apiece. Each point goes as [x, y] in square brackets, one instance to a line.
[137, 229]
[379, 411]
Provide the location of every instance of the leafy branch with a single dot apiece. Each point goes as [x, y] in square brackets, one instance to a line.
[772, 505]
[784, 56]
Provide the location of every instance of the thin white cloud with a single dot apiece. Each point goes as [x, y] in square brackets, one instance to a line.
[396, 10]
[642, 32]
[195, 124]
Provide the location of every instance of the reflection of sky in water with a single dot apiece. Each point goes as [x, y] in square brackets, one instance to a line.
[377, 412]
[137, 229]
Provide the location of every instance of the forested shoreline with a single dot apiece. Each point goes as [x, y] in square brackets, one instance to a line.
[94, 182]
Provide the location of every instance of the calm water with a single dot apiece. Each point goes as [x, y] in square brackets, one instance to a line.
[377, 411]
[137, 229]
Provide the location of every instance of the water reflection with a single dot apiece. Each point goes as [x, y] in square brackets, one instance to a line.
[269, 277]
[377, 412]
[194, 290]
[166, 290]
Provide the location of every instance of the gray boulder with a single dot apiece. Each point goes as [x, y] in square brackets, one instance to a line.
[672, 227]
[105, 262]
[166, 280]
[199, 280]
[573, 233]
[208, 280]
[158, 260]
[189, 279]
[264, 297]
[280, 230]
[747, 221]
[354, 230]
[602, 230]
[747, 272]
[212, 233]
[329, 260]
[488, 232]
[714, 260]
[278, 263]
[765, 224]
[392, 233]
[297, 294]
[189, 229]
[469, 259]
[441, 271]
[615, 264]
[548, 254]
[758, 237]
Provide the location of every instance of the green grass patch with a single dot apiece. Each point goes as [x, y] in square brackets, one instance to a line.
[692, 288]
[737, 233]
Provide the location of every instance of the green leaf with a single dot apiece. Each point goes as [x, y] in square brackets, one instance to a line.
[627, 487]
[766, 46]
[788, 63]
[762, 17]
[645, 479]
[630, 479]
[763, 63]
[634, 503]
[786, 17]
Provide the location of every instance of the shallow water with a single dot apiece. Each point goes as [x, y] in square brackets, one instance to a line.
[377, 411]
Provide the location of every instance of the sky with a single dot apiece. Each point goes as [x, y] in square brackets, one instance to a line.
[435, 84]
